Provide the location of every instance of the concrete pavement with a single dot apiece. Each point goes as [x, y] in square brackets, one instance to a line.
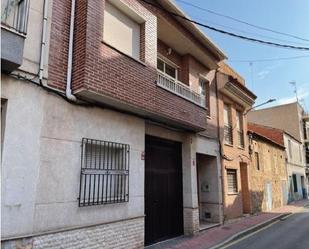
[290, 233]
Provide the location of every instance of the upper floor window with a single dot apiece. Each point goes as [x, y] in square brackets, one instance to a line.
[167, 68]
[204, 92]
[240, 132]
[228, 130]
[14, 14]
[290, 149]
[121, 31]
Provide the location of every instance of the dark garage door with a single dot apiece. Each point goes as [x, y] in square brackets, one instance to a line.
[163, 190]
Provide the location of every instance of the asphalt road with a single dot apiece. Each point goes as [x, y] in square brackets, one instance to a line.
[292, 233]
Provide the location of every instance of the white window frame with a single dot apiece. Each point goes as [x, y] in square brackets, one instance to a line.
[170, 63]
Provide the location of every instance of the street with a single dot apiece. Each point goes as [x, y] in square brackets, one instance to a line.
[291, 233]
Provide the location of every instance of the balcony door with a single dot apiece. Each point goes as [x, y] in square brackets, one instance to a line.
[167, 68]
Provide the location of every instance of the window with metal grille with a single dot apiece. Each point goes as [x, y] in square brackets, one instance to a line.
[232, 181]
[104, 174]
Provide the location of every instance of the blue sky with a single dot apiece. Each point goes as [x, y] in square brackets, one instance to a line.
[267, 79]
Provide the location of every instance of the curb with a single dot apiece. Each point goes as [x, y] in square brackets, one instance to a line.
[250, 230]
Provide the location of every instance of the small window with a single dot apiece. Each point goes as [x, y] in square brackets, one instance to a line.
[232, 181]
[121, 31]
[228, 130]
[257, 160]
[167, 68]
[295, 183]
[104, 175]
[290, 149]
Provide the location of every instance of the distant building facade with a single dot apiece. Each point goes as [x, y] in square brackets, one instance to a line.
[268, 172]
[292, 119]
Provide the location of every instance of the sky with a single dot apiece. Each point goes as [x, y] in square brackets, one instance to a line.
[268, 79]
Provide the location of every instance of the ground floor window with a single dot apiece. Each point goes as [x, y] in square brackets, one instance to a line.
[105, 172]
[232, 181]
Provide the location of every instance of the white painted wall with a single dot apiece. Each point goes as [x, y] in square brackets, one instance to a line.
[41, 161]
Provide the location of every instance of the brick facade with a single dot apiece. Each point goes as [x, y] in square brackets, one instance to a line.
[103, 70]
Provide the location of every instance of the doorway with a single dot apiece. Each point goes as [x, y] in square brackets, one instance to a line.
[163, 190]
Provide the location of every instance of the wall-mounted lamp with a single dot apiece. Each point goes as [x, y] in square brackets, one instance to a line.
[268, 101]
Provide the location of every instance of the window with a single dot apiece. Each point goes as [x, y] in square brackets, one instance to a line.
[300, 154]
[14, 14]
[290, 149]
[240, 132]
[228, 131]
[104, 175]
[295, 183]
[232, 181]
[121, 31]
[167, 68]
[257, 160]
[204, 92]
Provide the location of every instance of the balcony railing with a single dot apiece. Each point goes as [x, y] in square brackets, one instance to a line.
[14, 15]
[228, 134]
[172, 85]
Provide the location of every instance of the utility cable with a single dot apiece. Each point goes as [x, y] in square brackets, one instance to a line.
[243, 22]
[226, 32]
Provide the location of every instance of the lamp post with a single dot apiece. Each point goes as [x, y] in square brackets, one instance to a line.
[267, 102]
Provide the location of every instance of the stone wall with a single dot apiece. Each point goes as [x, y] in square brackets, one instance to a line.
[124, 234]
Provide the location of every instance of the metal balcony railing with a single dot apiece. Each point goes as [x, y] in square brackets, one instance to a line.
[14, 15]
[228, 134]
[172, 85]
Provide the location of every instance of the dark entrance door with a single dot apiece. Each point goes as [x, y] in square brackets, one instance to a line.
[163, 190]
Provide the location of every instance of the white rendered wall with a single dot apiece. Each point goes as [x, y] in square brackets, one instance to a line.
[41, 161]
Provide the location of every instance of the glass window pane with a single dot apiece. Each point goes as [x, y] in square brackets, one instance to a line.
[171, 71]
[160, 65]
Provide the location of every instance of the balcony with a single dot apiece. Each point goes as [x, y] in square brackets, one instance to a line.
[180, 89]
[14, 19]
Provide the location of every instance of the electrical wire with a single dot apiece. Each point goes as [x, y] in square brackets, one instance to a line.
[251, 33]
[226, 32]
[241, 21]
[272, 59]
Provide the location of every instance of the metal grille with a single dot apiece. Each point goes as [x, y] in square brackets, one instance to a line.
[232, 181]
[14, 14]
[104, 174]
[228, 134]
[241, 140]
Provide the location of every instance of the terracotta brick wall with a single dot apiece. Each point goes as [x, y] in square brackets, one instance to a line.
[102, 69]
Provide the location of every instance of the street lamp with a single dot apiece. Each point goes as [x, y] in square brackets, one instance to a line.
[268, 101]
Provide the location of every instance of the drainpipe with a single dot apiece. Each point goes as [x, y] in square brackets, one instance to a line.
[43, 41]
[220, 146]
[68, 91]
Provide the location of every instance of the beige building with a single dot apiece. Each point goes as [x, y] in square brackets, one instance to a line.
[268, 175]
[290, 118]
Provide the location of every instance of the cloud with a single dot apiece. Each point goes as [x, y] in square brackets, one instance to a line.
[262, 74]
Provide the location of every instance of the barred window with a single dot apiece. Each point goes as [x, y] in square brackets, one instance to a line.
[104, 174]
[232, 181]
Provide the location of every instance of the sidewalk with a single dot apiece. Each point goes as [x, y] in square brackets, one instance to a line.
[217, 235]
